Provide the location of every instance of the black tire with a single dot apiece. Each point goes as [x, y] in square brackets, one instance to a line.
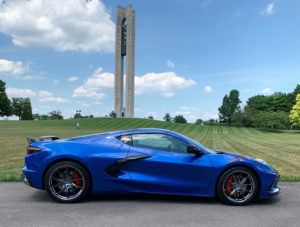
[241, 195]
[66, 183]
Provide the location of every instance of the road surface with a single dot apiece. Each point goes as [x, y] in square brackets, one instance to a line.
[21, 205]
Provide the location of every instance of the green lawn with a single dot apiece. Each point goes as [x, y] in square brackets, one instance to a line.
[280, 149]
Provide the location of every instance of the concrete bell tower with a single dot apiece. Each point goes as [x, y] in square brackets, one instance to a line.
[125, 43]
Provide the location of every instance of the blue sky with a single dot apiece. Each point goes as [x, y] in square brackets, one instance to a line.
[189, 53]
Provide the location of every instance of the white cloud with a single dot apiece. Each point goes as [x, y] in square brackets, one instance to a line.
[75, 25]
[85, 104]
[266, 91]
[269, 9]
[211, 115]
[208, 89]
[11, 67]
[45, 107]
[45, 94]
[87, 92]
[245, 90]
[168, 94]
[53, 99]
[166, 83]
[73, 78]
[136, 109]
[33, 77]
[98, 103]
[188, 112]
[187, 108]
[16, 92]
[189, 115]
[170, 64]
[55, 81]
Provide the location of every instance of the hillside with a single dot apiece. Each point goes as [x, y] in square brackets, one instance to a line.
[280, 149]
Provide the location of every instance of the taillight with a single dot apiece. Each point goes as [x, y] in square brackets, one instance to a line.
[32, 150]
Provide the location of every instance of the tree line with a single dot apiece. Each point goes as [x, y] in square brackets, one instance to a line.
[276, 111]
[21, 107]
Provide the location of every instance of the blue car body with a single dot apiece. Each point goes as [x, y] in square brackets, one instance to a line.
[154, 171]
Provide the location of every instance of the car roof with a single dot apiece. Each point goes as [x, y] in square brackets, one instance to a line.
[145, 130]
[122, 132]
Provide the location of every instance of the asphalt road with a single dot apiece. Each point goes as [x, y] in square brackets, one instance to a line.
[21, 205]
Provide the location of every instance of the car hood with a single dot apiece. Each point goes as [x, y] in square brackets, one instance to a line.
[233, 157]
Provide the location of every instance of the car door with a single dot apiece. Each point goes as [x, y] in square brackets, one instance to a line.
[166, 167]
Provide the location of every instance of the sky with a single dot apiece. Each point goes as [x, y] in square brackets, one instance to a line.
[188, 53]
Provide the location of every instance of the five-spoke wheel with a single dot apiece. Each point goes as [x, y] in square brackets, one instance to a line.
[237, 186]
[67, 182]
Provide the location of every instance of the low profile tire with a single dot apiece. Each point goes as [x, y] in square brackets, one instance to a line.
[237, 186]
[67, 182]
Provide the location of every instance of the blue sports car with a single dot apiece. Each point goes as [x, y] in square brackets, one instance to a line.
[144, 161]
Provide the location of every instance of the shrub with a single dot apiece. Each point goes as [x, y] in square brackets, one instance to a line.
[272, 120]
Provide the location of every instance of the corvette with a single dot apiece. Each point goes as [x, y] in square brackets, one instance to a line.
[144, 161]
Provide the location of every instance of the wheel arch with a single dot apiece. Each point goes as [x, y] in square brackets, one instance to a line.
[70, 160]
[239, 165]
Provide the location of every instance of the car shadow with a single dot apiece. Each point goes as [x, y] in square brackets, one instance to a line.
[152, 198]
[42, 196]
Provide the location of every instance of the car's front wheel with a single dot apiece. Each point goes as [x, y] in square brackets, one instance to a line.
[237, 186]
[67, 182]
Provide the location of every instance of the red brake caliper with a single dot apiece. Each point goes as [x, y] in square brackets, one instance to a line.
[76, 176]
[228, 185]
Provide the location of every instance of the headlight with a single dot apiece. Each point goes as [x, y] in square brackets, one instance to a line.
[260, 161]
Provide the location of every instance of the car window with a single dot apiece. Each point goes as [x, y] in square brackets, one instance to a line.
[159, 142]
[126, 139]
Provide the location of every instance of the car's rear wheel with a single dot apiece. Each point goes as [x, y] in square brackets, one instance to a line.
[67, 182]
[237, 186]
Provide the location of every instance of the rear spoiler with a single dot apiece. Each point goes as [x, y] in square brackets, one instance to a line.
[33, 140]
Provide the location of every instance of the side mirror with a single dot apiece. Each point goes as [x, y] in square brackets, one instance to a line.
[194, 150]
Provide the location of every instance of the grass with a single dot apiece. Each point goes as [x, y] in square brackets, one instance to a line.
[281, 149]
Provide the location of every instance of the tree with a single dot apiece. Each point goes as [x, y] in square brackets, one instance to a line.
[199, 121]
[17, 106]
[229, 106]
[179, 119]
[244, 117]
[295, 112]
[22, 108]
[77, 115]
[56, 115]
[27, 110]
[150, 117]
[211, 122]
[5, 105]
[259, 103]
[280, 102]
[276, 102]
[272, 120]
[167, 117]
[36, 116]
[112, 114]
[44, 117]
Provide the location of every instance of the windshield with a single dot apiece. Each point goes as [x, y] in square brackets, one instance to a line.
[199, 144]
